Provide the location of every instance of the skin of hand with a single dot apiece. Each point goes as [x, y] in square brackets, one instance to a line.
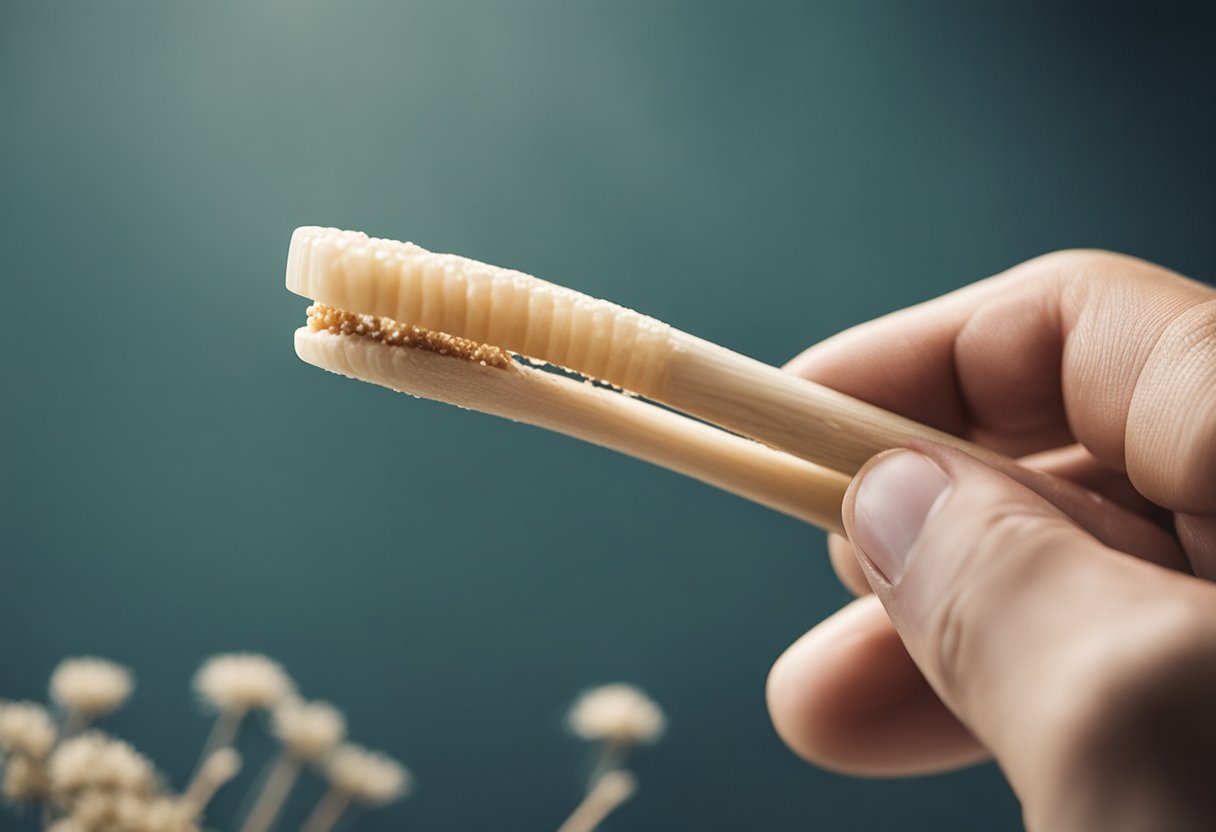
[1070, 634]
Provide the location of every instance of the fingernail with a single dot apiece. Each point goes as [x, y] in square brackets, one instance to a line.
[893, 502]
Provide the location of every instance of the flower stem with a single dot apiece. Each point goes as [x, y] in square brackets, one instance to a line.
[283, 773]
[222, 735]
[212, 774]
[607, 793]
[331, 807]
[223, 732]
[611, 758]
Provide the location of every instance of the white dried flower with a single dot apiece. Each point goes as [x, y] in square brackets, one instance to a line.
[90, 687]
[239, 682]
[25, 780]
[102, 812]
[95, 761]
[158, 814]
[369, 777]
[96, 811]
[620, 714]
[26, 728]
[308, 730]
[66, 825]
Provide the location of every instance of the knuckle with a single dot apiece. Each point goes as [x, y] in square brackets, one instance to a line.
[1077, 261]
[1075, 274]
[1172, 414]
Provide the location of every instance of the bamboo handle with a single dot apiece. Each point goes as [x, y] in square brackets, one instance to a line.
[749, 469]
[783, 411]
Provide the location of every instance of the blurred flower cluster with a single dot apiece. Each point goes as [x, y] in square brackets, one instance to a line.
[81, 779]
[56, 762]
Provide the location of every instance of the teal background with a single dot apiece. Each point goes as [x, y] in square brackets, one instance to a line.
[177, 483]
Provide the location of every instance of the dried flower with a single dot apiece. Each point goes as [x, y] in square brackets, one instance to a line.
[159, 814]
[91, 782]
[90, 687]
[25, 780]
[101, 812]
[308, 730]
[66, 825]
[96, 810]
[619, 714]
[369, 777]
[96, 761]
[26, 728]
[239, 682]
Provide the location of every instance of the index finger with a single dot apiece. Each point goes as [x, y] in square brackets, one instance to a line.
[1106, 350]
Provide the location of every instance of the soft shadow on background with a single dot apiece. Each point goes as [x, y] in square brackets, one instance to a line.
[177, 483]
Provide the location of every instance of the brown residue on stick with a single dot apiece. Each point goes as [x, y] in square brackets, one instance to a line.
[397, 334]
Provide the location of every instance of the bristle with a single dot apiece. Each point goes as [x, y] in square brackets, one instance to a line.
[393, 333]
[483, 303]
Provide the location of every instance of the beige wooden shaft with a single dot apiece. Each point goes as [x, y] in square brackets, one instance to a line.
[603, 417]
[786, 412]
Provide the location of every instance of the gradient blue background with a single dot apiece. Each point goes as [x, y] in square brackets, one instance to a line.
[177, 483]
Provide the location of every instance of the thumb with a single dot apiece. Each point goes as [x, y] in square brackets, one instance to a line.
[1018, 618]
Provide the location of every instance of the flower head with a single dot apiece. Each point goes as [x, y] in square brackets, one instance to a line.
[242, 681]
[94, 761]
[26, 729]
[616, 713]
[66, 825]
[102, 812]
[90, 686]
[369, 777]
[156, 814]
[24, 780]
[308, 730]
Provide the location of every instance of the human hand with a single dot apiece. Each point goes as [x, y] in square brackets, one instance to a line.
[1069, 634]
